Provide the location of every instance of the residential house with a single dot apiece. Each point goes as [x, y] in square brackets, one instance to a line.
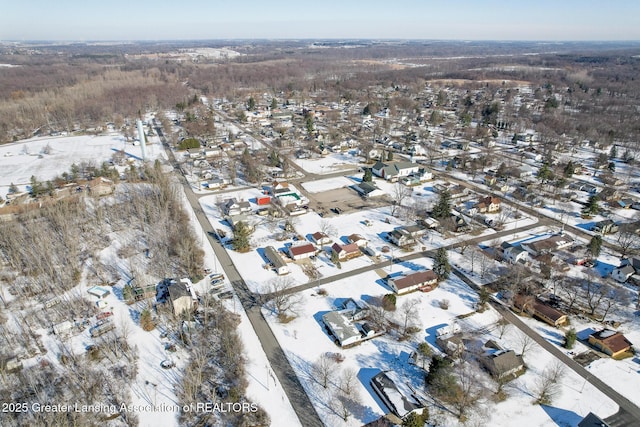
[354, 310]
[489, 180]
[194, 153]
[501, 363]
[606, 226]
[488, 204]
[399, 403]
[547, 245]
[429, 223]
[540, 310]
[513, 254]
[592, 420]
[392, 171]
[320, 238]
[426, 279]
[368, 189]
[344, 331]
[101, 186]
[624, 203]
[233, 207]
[286, 194]
[212, 151]
[460, 223]
[407, 235]
[346, 252]
[609, 194]
[628, 268]
[301, 251]
[401, 237]
[182, 297]
[610, 342]
[279, 265]
[358, 240]
[451, 344]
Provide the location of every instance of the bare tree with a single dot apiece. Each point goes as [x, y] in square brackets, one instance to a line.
[613, 297]
[378, 316]
[327, 228]
[546, 386]
[399, 194]
[324, 370]
[525, 342]
[409, 316]
[571, 290]
[348, 381]
[468, 391]
[503, 326]
[594, 292]
[281, 299]
[628, 240]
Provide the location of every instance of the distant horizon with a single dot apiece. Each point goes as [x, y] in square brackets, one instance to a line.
[462, 20]
[336, 39]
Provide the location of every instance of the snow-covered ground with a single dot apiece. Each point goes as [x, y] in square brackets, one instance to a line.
[333, 162]
[304, 340]
[21, 160]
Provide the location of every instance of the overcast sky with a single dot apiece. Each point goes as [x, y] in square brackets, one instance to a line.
[398, 19]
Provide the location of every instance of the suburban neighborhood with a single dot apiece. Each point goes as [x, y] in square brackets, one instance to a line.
[406, 249]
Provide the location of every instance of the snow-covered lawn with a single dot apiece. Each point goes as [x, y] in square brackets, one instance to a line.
[21, 160]
[331, 163]
[305, 340]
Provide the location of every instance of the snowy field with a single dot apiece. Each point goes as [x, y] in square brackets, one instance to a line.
[21, 160]
[328, 184]
[334, 162]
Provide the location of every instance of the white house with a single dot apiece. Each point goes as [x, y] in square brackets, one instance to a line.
[514, 254]
[301, 251]
[411, 282]
[279, 265]
[358, 240]
[392, 171]
[320, 238]
[628, 267]
[233, 207]
[345, 332]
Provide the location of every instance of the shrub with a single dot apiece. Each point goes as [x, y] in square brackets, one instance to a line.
[570, 338]
[188, 143]
[146, 321]
[389, 302]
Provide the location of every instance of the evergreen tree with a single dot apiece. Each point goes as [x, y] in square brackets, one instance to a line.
[595, 245]
[368, 175]
[591, 208]
[36, 186]
[389, 156]
[441, 264]
[274, 103]
[613, 152]
[309, 124]
[13, 188]
[442, 209]
[570, 338]
[251, 104]
[502, 171]
[274, 159]
[545, 174]
[567, 172]
[240, 241]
